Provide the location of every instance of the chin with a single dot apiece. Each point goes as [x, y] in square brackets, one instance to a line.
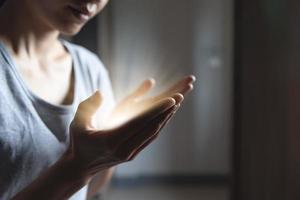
[70, 30]
[66, 24]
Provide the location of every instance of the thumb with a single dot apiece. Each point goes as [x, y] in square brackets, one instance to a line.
[87, 108]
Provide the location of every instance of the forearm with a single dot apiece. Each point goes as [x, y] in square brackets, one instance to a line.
[60, 181]
[99, 181]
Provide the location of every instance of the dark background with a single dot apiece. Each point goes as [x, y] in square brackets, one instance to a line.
[266, 136]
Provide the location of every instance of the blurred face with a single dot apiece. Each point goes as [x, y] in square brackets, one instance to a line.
[67, 16]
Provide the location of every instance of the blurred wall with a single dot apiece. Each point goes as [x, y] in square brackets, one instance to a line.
[166, 39]
[267, 140]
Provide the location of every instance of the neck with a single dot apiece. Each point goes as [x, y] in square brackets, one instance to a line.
[25, 33]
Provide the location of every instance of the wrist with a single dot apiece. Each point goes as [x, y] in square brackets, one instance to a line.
[60, 181]
[72, 169]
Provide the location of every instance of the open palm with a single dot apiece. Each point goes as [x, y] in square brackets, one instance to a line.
[136, 102]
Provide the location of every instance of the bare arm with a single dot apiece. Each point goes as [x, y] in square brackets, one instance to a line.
[99, 181]
[92, 151]
[60, 181]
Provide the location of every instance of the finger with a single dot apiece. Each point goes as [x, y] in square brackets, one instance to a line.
[144, 117]
[147, 103]
[182, 86]
[91, 104]
[125, 150]
[178, 98]
[131, 126]
[142, 89]
[150, 140]
[87, 108]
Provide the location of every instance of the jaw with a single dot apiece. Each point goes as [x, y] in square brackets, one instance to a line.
[71, 30]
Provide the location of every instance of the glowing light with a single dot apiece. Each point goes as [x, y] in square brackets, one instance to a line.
[124, 113]
[130, 65]
[137, 102]
[117, 120]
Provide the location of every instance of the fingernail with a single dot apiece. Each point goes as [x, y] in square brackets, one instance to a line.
[193, 78]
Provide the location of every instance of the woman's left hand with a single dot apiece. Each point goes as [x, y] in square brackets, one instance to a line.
[136, 102]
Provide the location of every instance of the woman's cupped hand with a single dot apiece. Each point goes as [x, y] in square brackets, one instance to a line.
[93, 150]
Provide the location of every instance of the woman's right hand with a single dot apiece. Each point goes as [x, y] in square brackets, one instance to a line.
[91, 150]
[94, 150]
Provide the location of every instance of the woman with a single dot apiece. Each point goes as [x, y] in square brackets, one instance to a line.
[46, 84]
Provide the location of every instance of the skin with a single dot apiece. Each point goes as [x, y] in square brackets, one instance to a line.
[31, 37]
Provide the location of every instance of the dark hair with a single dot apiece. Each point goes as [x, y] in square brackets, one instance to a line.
[2, 2]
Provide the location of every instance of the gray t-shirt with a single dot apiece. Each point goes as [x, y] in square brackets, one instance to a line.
[34, 133]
